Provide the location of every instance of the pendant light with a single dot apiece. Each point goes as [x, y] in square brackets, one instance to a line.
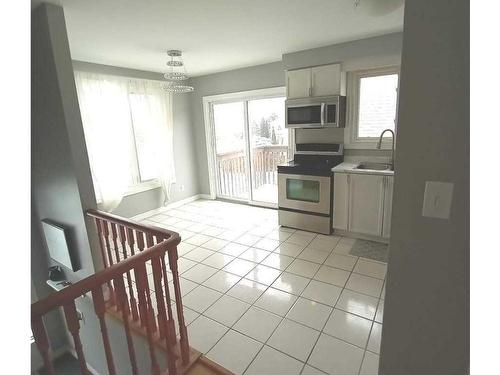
[177, 74]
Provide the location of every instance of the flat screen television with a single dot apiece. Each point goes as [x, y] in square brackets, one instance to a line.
[57, 243]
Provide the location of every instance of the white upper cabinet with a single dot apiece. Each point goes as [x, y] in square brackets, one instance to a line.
[298, 83]
[388, 190]
[325, 80]
[322, 80]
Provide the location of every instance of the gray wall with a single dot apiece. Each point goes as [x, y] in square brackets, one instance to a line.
[184, 147]
[58, 183]
[367, 53]
[61, 181]
[426, 319]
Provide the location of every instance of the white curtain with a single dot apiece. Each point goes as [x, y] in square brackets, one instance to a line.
[107, 116]
[153, 108]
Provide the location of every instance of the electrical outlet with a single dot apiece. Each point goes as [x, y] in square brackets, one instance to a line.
[181, 187]
[437, 199]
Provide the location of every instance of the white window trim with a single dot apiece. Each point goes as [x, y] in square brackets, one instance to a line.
[208, 102]
[351, 140]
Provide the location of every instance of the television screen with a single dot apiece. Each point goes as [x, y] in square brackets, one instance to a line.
[56, 239]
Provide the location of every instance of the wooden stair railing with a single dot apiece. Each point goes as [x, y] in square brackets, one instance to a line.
[128, 250]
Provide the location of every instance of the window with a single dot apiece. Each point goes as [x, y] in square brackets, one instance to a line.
[372, 101]
[128, 130]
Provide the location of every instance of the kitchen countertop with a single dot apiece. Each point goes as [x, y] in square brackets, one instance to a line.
[349, 167]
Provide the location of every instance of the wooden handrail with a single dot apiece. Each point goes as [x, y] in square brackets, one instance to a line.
[86, 285]
[146, 228]
[127, 248]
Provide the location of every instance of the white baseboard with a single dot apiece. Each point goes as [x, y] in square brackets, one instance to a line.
[206, 196]
[360, 236]
[170, 206]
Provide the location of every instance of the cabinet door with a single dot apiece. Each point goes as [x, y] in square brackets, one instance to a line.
[325, 80]
[366, 203]
[340, 201]
[298, 83]
[389, 187]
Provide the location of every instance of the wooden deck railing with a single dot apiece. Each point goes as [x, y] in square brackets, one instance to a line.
[128, 250]
[231, 169]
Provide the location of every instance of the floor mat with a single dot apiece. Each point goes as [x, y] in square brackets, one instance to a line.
[371, 250]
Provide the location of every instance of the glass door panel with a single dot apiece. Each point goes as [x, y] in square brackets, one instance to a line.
[231, 150]
[268, 141]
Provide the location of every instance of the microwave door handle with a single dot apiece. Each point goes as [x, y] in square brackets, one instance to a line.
[323, 114]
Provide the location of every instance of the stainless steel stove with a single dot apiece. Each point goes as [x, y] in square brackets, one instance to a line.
[305, 187]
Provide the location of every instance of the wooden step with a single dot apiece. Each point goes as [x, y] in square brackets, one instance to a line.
[204, 366]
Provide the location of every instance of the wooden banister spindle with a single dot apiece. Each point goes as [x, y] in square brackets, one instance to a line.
[105, 234]
[114, 235]
[151, 311]
[184, 342]
[101, 244]
[143, 310]
[170, 316]
[42, 343]
[74, 328]
[132, 300]
[121, 297]
[162, 315]
[106, 263]
[144, 298]
[131, 244]
[100, 310]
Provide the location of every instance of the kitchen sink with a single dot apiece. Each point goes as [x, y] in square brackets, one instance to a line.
[366, 165]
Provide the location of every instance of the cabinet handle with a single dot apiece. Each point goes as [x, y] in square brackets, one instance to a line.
[311, 88]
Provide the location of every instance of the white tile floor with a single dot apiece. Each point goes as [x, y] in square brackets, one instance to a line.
[261, 299]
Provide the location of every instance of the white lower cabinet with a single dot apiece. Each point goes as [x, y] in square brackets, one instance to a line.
[340, 201]
[386, 226]
[366, 203]
[362, 203]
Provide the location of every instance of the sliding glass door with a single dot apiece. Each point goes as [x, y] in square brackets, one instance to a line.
[250, 141]
[268, 146]
[231, 150]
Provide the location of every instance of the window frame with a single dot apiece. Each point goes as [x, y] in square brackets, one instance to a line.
[351, 139]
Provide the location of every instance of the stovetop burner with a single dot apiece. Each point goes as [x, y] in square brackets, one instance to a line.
[313, 165]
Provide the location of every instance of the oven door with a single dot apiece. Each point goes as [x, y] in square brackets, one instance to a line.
[304, 113]
[304, 193]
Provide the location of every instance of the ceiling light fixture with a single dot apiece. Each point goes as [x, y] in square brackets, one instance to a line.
[175, 77]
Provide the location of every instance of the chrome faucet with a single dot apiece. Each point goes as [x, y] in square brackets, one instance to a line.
[379, 145]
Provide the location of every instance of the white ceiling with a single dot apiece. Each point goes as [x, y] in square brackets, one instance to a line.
[217, 35]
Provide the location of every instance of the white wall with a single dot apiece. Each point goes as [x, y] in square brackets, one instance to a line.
[426, 318]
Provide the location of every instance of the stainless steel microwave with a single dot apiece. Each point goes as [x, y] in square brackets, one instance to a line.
[323, 112]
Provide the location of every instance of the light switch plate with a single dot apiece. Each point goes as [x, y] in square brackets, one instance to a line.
[437, 199]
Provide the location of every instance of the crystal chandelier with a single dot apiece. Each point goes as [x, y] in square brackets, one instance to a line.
[177, 74]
